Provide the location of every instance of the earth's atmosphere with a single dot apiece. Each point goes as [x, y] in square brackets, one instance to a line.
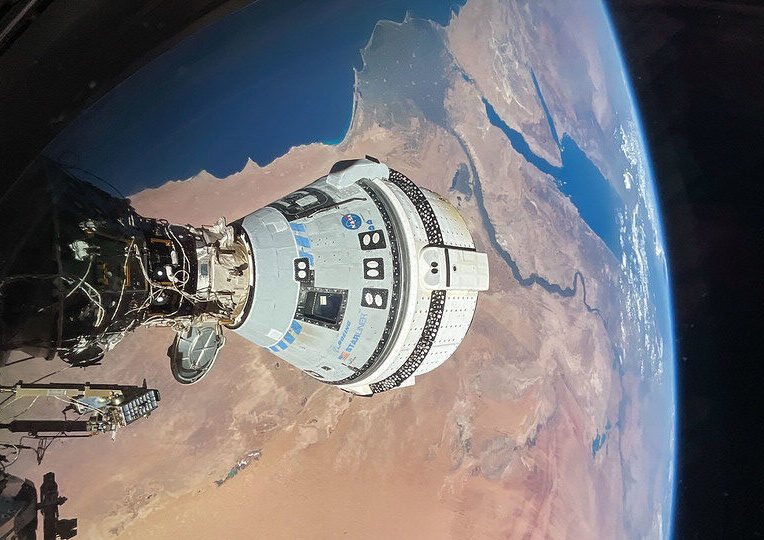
[555, 417]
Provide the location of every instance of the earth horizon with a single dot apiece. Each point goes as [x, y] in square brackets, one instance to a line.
[555, 417]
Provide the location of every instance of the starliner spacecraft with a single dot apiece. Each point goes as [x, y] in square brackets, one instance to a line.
[362, 279]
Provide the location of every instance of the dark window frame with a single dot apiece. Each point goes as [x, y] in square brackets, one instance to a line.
[306, 306]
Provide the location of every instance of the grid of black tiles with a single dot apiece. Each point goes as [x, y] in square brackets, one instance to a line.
[422, 205]
[423, 346]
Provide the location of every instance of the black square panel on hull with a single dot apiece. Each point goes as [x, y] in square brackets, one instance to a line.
[374, 268]
[374, 298]
[372, 240]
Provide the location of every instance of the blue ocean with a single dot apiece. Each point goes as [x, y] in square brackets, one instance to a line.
[269, 77]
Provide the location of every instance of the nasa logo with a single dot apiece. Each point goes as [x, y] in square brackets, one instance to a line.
[351, 221]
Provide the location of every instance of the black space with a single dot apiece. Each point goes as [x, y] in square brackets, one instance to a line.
[65, 55]
[697, 70]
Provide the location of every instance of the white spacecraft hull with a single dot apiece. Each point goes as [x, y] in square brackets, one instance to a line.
[361, 279]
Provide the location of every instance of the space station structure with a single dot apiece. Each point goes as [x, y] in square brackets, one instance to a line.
[362, 279]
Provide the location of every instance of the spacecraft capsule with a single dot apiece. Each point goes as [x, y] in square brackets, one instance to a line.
[362, 279]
